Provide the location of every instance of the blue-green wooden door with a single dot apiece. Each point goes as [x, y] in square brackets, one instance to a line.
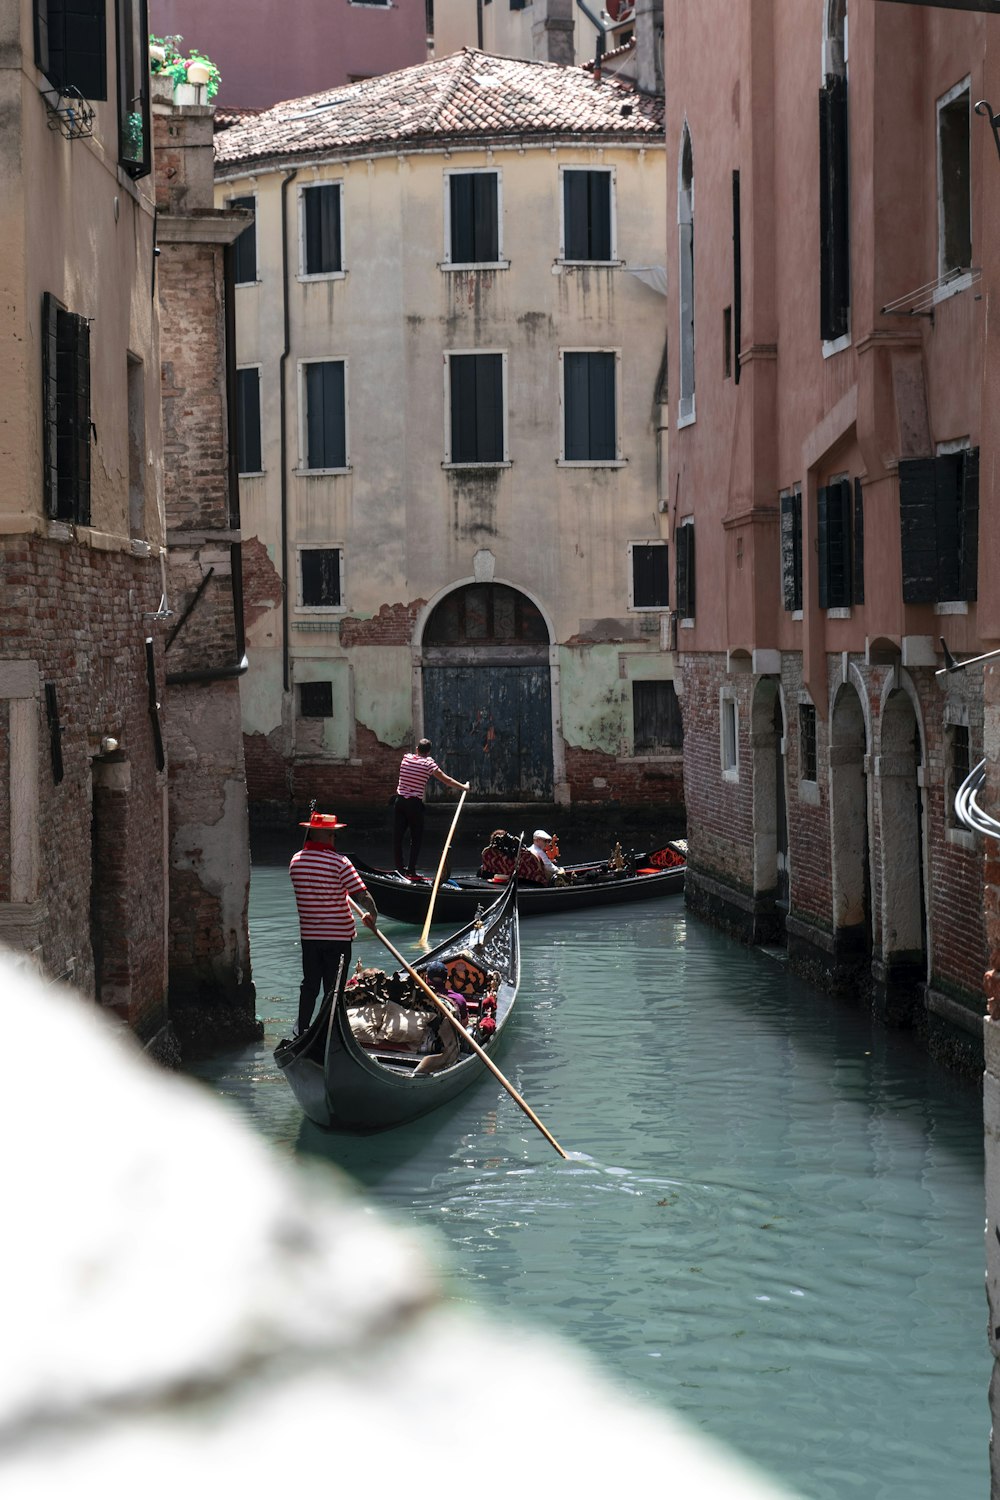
[492, 726]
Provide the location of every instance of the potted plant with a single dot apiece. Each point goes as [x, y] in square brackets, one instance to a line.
[195, 77]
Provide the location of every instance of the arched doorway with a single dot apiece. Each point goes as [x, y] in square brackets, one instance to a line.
[849, 827]
[904, 905]
[487, 693]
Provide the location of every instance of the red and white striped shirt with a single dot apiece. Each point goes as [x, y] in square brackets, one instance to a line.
[321, 879]
[414, 774]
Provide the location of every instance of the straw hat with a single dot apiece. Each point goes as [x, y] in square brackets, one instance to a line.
[323, 820]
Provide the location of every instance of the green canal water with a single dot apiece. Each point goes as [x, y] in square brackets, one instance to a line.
[772, 1221]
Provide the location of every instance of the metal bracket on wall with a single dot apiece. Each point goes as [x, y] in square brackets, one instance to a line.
[69, 112]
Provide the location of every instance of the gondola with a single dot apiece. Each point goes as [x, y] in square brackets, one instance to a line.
[362, 1086]
[642, 877]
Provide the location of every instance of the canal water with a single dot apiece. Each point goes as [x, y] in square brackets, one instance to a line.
[772, 1219]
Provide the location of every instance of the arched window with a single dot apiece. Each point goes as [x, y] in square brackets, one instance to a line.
[685, 225]
[834, 173]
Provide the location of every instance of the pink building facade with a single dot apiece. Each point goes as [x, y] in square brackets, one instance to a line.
[826, 335]
[267, 51]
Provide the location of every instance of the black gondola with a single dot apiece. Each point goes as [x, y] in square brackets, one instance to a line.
[343, 1084]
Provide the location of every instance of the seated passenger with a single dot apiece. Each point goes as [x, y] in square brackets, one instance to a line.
[447, 1044]
[542, 850]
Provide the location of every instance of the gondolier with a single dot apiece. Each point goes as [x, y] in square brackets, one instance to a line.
[322, 880]
[416, 769]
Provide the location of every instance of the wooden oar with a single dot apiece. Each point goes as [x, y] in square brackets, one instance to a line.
[424, 943]
[463, 1034]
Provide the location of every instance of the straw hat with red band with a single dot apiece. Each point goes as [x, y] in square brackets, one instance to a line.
[327, 821]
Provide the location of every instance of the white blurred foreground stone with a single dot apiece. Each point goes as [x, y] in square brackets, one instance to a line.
[186, 1312]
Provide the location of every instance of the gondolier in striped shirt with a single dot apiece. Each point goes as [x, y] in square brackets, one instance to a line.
[415, 771]
[322, 880]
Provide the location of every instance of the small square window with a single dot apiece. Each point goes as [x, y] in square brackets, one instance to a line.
[320, 569]
[315, 700]
[807, 742]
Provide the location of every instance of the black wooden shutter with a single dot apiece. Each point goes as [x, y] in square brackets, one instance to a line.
[50, 404]
[738, 283]
[823, 547]
[326, 428]
[791, 551]
[834, 208]
[462, 248]
[603, 437]
[248, 421]
[576, 406]
[474, 220]
[71, 45]
[968, 582]
[650, 577]
[245, 247]
[462, 380]
[948, 522]
[80, 357]
[684, 550]
[599, 205]
[476, 408]
[918, 530]
[587, 215]
[833, 531]
[321, 206]
[858, 552]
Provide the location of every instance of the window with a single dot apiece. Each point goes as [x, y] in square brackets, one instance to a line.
[320, 581]
[656, 717]
[134, 150]
[71, 45]
[315, 700]
[954, 181]
[840, 540]
[685, 232]
[325, 427]
[588, 220]
[959, 765]
[476, 408]
[727, 342]
[737, 308]
[807, 742]
[136, 396]
[245, 246]
[66, 412]
[473, 236]
[322, 251]
[939, 526]
[590, 423]
[248, 453]
[650, 575]
[834, 179]
[729, 738]
[684, 558]
[791, 549]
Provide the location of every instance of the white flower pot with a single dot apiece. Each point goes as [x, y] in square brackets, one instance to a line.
[197, 73]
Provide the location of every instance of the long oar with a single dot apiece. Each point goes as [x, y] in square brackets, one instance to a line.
[464, 1035]
[423, 943]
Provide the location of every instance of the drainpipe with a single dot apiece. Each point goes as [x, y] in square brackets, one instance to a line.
[288, 178]
[602, 31]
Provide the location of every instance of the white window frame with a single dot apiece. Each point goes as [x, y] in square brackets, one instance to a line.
[323, 359]
[449, 463]
[253, 365]
[447, 264]
[618, 462]
[646, 609]
[611, 172]
[303, 274]
[964, 86]
[230, 203]
[729, 712]
[319, 609]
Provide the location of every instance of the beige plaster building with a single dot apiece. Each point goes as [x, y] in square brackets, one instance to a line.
[450, 334]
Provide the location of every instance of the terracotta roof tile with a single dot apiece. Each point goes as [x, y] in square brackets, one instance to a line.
[456, 98]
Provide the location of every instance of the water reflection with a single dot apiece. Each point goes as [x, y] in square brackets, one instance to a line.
[772, 1213]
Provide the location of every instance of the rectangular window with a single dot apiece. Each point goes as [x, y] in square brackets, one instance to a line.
[727, 342]
[473, 218]
[650, 575]
[939, 527]
[588, 232]
[959, 765]
[315, 700]
[684, 554]
[66, 412]
[245, 246]
[730, 742]
[71, 45]
[322, 251]
[325, 390]
[136, 394]
[590, 426]
[476, 408]
[954, 181]
[833, 539]
[134, 141]
[656, 717]
[807, 742]
[791, 549]
[834, 209]
[248, 450]
[320, 577]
